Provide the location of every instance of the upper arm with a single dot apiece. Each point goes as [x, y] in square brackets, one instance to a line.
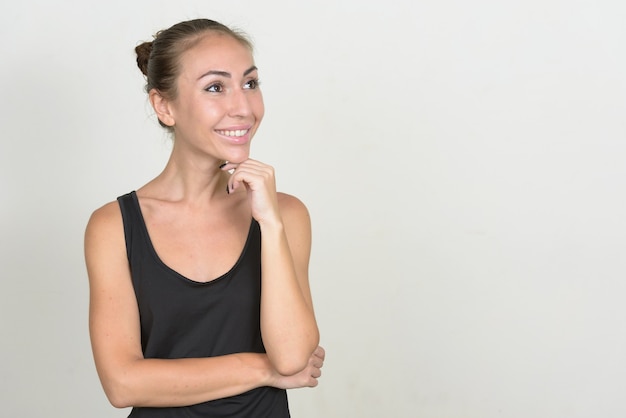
[297, 223]
[113, 313]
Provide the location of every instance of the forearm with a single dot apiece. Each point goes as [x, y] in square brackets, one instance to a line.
[182, 382]
[288, 325]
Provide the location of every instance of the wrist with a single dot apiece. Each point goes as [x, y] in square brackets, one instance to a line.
[271, 224]
[264, 369]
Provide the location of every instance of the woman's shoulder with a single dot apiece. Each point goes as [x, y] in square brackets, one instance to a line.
[291, 204]
[293, 211]
[106, 217]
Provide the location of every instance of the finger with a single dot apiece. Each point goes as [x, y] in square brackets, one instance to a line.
[228, 166]
[252, 176]
[320, 352]
[312, 382]
[317, 362]
[239, 174]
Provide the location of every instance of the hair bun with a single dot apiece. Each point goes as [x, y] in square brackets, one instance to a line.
[143, 55]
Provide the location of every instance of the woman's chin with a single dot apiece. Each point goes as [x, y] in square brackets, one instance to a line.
[238, 157]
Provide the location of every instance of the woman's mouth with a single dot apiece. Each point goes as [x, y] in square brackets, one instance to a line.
[236, 133]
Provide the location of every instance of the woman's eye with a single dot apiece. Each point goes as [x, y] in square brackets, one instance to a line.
[215, 88]
[252, 84]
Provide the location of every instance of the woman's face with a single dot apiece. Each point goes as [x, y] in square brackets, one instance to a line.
[219, 105]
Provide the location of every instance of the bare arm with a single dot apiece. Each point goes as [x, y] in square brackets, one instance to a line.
[127, 378]
[288, 324]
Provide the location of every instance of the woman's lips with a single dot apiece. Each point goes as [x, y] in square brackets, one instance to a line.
[237, 136]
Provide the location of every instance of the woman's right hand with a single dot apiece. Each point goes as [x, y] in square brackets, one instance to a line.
[306, 377]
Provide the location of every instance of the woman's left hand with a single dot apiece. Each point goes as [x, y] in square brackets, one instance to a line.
[259, 181]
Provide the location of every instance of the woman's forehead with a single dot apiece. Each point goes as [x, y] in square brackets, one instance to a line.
[217, 52]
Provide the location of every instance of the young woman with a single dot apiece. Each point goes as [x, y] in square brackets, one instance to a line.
[199, 297]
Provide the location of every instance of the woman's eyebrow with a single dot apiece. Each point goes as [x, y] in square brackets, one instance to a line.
[249, 70]
[227, 74]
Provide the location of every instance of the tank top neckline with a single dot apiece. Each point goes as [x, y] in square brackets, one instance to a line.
[161, 263]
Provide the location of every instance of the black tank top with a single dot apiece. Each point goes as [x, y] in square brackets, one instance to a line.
[182, 318]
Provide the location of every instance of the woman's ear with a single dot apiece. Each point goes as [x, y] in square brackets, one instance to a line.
[161, 106]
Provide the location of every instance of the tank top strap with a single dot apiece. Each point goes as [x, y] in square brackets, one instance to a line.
[131, 218]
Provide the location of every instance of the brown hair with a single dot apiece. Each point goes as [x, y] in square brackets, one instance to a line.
[159, 59]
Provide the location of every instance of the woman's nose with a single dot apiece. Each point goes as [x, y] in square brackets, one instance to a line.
[239, 103]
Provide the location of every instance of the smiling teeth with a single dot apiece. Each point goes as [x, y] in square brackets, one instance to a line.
[240, 132]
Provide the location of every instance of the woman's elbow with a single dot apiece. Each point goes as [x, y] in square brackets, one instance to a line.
[118, 393]
[295, 360]
[290, 366]
[117, 399]
[119, 402]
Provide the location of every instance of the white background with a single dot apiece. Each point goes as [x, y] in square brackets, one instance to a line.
[463, 162]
